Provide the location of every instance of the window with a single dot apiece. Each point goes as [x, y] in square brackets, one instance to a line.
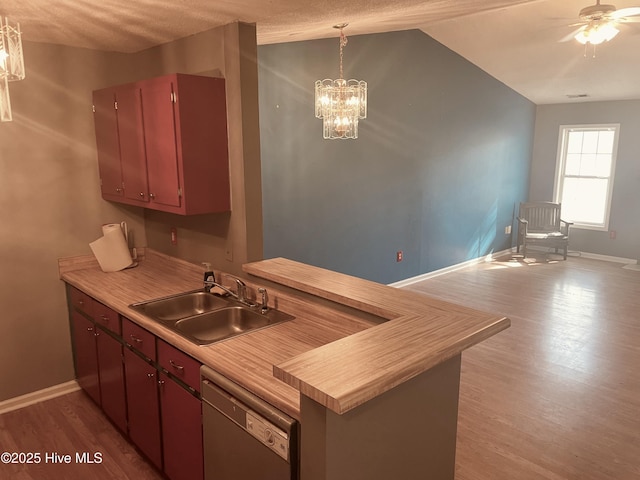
[584, 173]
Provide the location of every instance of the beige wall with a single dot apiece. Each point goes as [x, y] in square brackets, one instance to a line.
[50, 204]
[49, 208]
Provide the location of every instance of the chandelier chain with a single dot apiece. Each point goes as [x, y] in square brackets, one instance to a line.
[343, 43]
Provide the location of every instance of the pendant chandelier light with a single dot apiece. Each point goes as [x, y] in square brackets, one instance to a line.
[11, 64]
[341, 103]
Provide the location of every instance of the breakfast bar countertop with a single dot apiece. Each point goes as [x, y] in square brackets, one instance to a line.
[351, 339]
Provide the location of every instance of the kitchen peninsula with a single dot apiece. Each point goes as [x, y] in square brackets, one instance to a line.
[372, 372]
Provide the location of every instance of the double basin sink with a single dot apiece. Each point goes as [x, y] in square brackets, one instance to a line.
[205, 318]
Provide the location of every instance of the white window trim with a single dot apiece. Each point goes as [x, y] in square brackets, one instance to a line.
[557, 192]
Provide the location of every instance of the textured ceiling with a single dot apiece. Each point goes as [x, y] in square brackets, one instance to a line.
[516, 41]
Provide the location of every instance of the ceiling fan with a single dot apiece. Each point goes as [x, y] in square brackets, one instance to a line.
[598, 23]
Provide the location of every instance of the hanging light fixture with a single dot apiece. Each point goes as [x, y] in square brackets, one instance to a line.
[341, 103]
[597, 32]
[11, 64]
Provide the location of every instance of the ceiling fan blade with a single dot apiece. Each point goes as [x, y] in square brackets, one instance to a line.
[625, 12]
[628, 20]
[572, 34]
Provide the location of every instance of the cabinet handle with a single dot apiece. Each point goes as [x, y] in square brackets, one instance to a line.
[161, 383]
[89, 329]
[135, 339]
[141, 194]
[81, 303]
[118, 190]
[152, 195]
[150, 376]
[176, 366]
[104, 319]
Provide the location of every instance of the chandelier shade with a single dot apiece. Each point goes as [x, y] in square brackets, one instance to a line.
[11, 64]
[340, 103]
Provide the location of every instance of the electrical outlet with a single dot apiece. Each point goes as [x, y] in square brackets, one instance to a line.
[507, 230]
[399, 256]
[174, 236]
[613, 234]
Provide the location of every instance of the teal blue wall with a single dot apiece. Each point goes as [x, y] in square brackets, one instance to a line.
[440, 164]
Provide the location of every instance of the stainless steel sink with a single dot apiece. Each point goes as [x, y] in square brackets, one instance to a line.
[226, 322]
[205, 318]
[180, 306]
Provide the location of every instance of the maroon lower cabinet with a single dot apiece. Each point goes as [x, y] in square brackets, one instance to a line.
[143, 406]
[181, 431]
[85, 355]
[113, 396]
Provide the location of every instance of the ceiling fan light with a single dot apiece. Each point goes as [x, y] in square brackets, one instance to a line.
[597, 34]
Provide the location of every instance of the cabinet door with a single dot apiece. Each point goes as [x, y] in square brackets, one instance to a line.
[143, 407]
[112, 379]
[107, 143]
[86, 356]
[181, 431]
[160, 141]
[132, 149]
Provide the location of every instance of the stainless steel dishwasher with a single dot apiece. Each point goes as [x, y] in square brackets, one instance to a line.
[245, 438]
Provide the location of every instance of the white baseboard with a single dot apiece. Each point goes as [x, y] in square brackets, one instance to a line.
[452, 268]
[39, 396]
[607, 258]
[592, 256]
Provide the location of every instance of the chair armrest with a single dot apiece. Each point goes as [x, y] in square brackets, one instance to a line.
[524, 224]
[567, 225]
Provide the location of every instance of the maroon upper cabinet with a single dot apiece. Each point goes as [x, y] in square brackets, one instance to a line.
[132, 148]
[172, 137]
[107, 144]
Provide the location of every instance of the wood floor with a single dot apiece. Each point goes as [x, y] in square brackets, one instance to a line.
[554, 397]
[557, 395]
[68, 425]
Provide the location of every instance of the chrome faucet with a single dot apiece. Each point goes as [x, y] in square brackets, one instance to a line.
[241, 289]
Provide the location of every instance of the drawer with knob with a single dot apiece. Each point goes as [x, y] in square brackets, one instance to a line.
[107, 318]
[81, 301]
[179, 364]
[139, 338]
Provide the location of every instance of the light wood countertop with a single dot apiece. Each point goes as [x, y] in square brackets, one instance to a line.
[421, 333]
[247, 359]
[335, 351]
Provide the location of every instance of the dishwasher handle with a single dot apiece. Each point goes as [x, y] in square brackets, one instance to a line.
[241, 396]
[224, 403]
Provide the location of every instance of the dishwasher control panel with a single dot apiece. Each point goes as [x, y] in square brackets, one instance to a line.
[267, 433]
